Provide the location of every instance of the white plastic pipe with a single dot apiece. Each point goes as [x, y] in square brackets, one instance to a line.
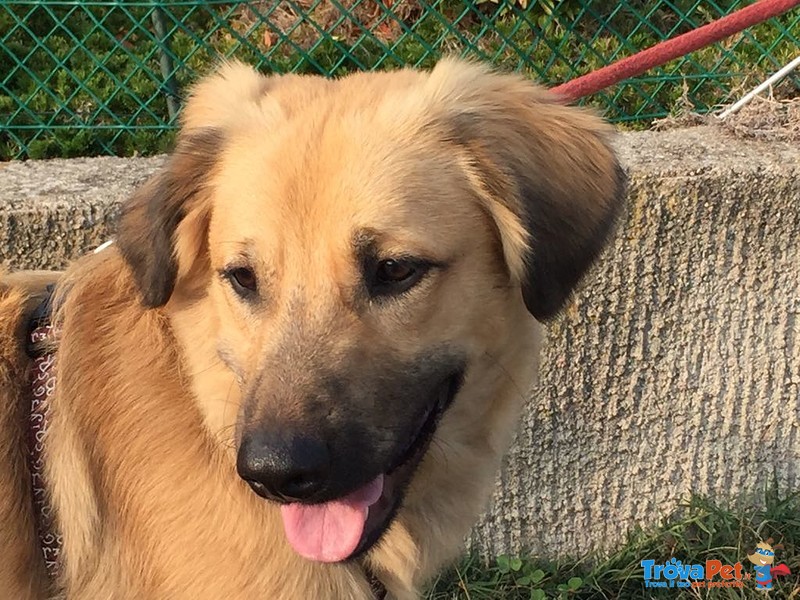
[775, 78]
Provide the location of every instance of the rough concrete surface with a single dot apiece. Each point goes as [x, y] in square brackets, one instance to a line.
[52, 211]
[675, 371]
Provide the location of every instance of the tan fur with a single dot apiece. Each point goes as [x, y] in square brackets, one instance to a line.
[142, 446]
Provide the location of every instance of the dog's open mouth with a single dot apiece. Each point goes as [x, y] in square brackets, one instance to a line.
[346, 527]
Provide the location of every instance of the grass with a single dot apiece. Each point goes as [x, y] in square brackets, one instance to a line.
[698, 531]
[85, 79]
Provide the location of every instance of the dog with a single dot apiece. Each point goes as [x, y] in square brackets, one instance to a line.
[295, 372]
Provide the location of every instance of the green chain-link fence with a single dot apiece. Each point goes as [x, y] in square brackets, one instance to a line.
[106, 77]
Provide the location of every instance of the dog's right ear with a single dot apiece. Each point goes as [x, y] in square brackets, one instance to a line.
[176, 198]
[149, 220]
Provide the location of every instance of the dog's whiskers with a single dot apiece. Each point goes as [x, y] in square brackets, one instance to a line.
[223, 440]
[522, 394]
[217, 362]
[440, 447]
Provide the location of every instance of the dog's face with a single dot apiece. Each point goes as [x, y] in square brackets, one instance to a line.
[357, 247]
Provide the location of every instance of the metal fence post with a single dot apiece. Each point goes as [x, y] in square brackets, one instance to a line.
[167, 66]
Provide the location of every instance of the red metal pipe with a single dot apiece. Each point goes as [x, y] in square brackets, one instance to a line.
[676, 47]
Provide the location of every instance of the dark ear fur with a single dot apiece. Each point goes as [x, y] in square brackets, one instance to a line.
[565, 240]
[151, 216]
[553, 167]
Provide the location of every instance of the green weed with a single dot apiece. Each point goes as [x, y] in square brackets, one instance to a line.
[697, 531]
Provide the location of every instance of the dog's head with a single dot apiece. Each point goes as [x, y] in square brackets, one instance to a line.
[348, 252]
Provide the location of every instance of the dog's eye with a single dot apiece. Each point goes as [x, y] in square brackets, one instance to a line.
[395, 276]
[394, 271]
[243, 280]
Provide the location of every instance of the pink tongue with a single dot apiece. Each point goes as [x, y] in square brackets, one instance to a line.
[330, 532]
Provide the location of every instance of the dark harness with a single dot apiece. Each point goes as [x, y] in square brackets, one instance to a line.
[42, 337]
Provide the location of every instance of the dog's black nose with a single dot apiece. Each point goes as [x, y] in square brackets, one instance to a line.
[283, 467]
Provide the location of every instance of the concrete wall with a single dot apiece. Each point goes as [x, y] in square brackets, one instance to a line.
[676, 370]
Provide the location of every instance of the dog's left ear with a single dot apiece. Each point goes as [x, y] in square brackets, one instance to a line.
[175, 196]
[545, 172]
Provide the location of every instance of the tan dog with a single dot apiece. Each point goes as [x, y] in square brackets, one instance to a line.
[303, 359]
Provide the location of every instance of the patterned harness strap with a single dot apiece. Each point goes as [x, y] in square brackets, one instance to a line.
[42, 337]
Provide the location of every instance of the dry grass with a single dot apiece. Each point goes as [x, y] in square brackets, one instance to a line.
[302, 26]
[768, 119]
[772, 118]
